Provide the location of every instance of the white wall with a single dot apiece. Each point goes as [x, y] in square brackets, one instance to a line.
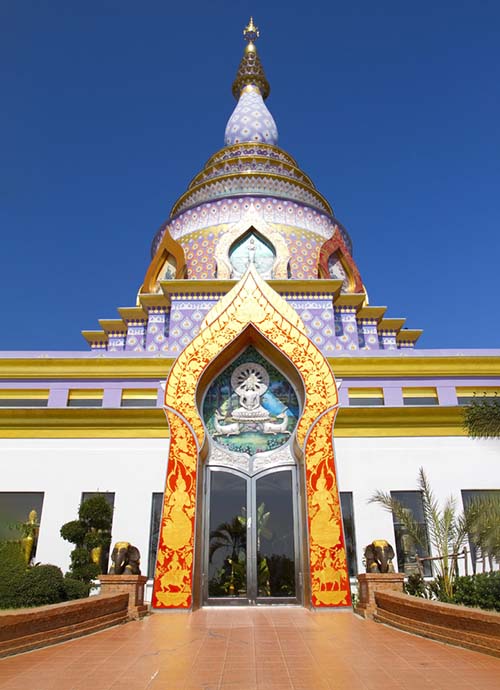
[392, 464]
[63, 469]
[135, 468]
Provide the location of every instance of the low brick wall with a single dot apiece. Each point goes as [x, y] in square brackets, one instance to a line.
[459, 625]
[26, 629]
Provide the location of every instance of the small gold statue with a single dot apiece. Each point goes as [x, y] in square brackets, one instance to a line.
[30, 530]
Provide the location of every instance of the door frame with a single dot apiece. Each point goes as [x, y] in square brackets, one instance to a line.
[252, 598]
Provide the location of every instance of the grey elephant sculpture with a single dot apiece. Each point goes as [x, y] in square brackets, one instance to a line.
[125, 559]
[379, 555]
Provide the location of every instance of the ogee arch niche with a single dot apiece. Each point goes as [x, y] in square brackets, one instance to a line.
[250, 407]
[252, 540]
[252, 248]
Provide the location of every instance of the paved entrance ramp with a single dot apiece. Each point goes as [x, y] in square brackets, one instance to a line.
[249, 649]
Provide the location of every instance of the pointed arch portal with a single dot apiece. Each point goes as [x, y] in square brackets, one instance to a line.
[250, 315]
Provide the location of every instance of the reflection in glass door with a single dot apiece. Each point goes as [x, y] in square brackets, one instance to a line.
[274, 535]
[251, 537]
[227, 546]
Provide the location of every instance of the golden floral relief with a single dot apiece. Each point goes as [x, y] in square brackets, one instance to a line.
[329, 576]
[173, 577]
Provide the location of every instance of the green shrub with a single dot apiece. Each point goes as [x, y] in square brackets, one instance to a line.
[482, 590]
[75, 589]
[40, 585]
[12, 570]
[416, 586]
[74, 532]
[90, 531]
[96, 513]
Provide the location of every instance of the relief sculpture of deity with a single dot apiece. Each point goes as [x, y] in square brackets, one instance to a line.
[252, 404]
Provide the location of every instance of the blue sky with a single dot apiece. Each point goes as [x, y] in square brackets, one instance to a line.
[110, 108]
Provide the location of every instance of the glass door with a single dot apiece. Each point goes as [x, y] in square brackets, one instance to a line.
[274, 537]
[226, 541]
[251, 538]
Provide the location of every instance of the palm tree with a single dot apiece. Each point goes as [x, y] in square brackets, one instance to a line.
[446, 528]
[482, 417]
[483, 517]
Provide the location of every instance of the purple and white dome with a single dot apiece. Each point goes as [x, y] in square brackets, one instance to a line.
[251, 121]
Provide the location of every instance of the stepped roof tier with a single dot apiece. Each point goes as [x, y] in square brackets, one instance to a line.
[252, 203]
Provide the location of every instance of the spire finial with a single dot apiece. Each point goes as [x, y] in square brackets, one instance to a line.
[251, 32]
[250, 72]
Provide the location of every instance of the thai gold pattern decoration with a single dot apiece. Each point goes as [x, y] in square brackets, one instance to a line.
[173, 581]
[254, 220]
[329, 574]
[251, 304]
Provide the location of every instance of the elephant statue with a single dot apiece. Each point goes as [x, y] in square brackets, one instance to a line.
[379, 555]
[125, 559]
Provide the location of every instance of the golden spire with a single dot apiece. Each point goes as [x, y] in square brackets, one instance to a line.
[250, 71]
[251, 32]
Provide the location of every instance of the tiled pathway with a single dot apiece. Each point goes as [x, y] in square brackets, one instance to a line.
[250, 649]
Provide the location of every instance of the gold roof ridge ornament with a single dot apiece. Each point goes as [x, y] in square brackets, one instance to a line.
[250, 72]
[251, 32]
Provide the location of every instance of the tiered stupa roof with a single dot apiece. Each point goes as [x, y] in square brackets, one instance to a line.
[252, 190]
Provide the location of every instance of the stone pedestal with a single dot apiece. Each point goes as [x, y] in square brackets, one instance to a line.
[133, 585]
[369, 583]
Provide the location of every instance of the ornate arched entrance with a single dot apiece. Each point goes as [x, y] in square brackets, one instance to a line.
[250, 314]
[252, 535]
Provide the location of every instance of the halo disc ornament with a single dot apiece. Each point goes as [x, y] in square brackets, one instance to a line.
[251, 374]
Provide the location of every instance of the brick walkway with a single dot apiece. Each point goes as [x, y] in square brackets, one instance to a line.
[249, 649]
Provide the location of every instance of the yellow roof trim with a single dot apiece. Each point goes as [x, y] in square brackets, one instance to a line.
[355, 300]
[420, 392]
[103, 366]
[132, 313]
[86, 394]
[24, 393]
[365, 393]
[408, 335]
[139, 394]
[371, 313]
[222, 287]
[113, 325]
[153, 299]
[95, 337]
[353, 422]
[391, 325]
[478, 391]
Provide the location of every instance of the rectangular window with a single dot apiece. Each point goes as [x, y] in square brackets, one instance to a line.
[35, 397]
[420, 396]
[18, 522]
[110, 498]
[406, 548]
[365, 397]
[154, 531]
[85, 397]
[466, 394]
[349, 532]
[468, 495]
[139, 397]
